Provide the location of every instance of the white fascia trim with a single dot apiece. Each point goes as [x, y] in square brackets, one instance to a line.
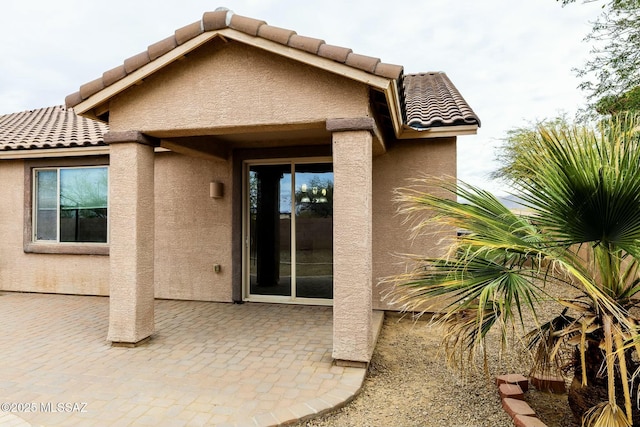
[437, 132]
[54, 152]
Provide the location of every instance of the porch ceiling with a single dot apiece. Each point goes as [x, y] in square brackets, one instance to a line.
[219, 145]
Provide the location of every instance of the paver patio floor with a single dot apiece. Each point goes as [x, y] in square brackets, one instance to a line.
[210, 364]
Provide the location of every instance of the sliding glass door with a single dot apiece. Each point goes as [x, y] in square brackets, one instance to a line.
[289, 232]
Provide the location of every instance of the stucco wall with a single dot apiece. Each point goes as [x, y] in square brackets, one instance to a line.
[352, 257]
[391, 238]
[193, 231]
[225, 86]
[220, 88]
[20, 271]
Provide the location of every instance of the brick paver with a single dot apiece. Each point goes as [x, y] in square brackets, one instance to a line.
[208, 364]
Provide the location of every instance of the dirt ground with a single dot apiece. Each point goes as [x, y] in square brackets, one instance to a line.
[408, 384]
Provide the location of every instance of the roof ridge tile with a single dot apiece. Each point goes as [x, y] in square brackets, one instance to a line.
[336, 53]
[94, 86]
[216, 20]
[136, 61]
[427, 99]
[245, 24]
[166, 45]
[308, 44]
[390, 71]
[113, 75]
[363, 62]
[275, 34]
[186, 33]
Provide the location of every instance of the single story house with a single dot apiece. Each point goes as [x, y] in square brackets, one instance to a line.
[233, 161]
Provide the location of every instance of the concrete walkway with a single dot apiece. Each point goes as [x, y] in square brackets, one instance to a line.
[208, 364]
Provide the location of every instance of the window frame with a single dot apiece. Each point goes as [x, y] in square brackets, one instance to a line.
[31, 245]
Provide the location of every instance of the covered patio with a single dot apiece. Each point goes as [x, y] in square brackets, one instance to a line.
[233, 107]
[270, 364]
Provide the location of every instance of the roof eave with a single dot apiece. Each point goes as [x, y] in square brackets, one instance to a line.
[393, 101]
[437, 132]
[31, 153]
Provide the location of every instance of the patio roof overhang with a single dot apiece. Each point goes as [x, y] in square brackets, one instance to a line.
[438, 102]
[96, 106]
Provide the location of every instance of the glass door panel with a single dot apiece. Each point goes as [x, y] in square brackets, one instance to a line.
[270, 230]
[290, 231]
[314, 230]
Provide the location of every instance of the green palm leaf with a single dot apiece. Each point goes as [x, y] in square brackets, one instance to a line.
[581, 187]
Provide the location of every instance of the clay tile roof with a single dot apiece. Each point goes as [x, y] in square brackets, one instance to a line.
[431, 100]
[427, 99]
[223, 18]
[51, 127]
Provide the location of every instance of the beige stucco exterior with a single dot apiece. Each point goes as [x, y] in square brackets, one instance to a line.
[191, 239]
[194, 122]
[131, 221]
[352, 246]
[392, 238]
[188, 240]
[36, 272]
[230, 88]
[193, 230]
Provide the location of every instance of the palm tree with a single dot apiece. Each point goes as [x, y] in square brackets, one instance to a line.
[576, 249]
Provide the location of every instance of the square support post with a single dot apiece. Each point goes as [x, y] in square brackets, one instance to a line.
[131, 216]
[353, 333]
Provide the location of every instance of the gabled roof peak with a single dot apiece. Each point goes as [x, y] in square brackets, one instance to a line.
[422, 105]
[223, 18]
[228, 11]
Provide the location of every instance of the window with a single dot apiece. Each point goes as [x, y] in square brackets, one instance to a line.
[70, 204]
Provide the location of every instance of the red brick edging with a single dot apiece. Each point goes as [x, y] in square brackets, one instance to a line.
[512, 387]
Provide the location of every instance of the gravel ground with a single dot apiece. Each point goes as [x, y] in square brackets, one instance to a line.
[408, 384]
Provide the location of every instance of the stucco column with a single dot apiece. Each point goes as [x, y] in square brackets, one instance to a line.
[131, 221]
[352, 239]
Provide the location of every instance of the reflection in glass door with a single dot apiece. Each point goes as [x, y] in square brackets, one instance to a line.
[314, 230]
[270, 225]
[290, 231]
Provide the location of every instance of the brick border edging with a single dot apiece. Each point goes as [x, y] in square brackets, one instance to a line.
[511, 388]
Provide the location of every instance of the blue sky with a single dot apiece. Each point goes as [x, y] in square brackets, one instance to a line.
[511, 60]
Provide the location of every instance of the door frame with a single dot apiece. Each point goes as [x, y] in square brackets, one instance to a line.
[246, 293]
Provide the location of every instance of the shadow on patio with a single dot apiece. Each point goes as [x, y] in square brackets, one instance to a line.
[208, 364]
